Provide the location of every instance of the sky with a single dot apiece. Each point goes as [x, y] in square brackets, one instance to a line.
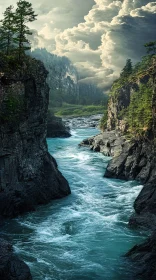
[96, 35]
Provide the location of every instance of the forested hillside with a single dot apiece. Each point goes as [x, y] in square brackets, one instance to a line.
[130, 106]
[91, 94]
[63, 80]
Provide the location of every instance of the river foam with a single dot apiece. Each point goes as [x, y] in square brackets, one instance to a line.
[83, 236]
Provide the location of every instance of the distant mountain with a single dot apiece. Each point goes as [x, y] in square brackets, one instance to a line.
[64, 84]
[62, 78]
[91, 94]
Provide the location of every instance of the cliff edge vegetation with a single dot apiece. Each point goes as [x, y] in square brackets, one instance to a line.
[130, 106]
[132, 112]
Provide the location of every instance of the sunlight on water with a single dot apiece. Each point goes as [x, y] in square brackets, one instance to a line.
[83, 236]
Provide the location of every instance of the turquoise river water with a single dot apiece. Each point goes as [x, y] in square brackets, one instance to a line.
[85, 235]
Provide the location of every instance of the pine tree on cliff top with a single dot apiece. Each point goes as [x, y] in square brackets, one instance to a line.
[127, 70]
[23, 15]
[7, 31]
[151, 47]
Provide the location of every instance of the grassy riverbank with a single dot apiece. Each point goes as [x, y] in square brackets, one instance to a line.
[77, 110]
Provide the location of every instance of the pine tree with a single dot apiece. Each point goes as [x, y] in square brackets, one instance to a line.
[127, 70]
[151, 47]
[23, 15]
[7, 30]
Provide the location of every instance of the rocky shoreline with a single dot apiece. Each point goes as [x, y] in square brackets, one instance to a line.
[82, 122]
[137, 161]
[132, 111]
[11, 267]
[56, 127]
[133, 160]
[109, 143]
[143, 256]
[61, 127]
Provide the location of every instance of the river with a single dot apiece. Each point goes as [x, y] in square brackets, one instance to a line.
[85, 235]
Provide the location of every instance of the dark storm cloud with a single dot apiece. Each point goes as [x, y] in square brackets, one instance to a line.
[97, 35]
[121, 28]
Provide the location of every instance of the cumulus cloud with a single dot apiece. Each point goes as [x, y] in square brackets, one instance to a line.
[112, 32]
[97, 35]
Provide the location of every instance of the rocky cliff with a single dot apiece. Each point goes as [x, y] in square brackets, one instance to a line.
[56, 127]
[11, 268]
[137, 159]
[129, 107]
[129, 137]
[28, 173]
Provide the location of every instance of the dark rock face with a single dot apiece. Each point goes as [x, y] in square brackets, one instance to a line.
[114, 107]
[11, 268]
[109, 143]
[134, 160]
[28, 173]
[132, 163]
[137, 162]
[144, 257]
[56, 127]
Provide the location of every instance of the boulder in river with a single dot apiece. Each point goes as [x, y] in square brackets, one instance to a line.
[110, 143]
[11, 267]
[56, 127]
